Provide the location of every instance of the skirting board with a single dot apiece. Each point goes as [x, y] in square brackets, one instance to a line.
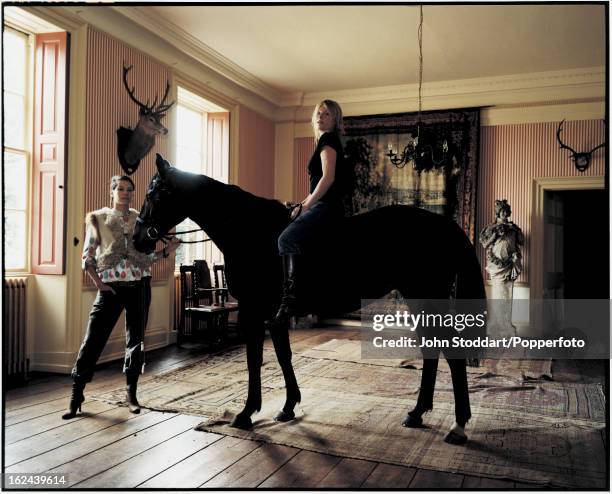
[62, 362]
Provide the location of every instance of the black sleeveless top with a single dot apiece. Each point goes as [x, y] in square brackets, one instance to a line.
[315, 168]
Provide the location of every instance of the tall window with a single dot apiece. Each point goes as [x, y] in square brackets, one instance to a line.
[202, 147]
[17, 152]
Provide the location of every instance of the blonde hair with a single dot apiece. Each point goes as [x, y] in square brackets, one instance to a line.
[336, 113]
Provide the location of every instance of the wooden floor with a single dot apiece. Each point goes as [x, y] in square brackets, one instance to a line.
[108, 447]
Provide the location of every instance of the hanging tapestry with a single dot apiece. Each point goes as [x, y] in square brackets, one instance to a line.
[445, 187]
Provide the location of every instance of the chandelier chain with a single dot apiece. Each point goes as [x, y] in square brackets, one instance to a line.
[420, 59]
[422, 148]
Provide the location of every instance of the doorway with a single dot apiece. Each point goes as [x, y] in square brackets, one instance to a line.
[576, 244]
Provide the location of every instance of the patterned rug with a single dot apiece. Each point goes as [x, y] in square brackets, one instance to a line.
[545, 433]
[350, 351]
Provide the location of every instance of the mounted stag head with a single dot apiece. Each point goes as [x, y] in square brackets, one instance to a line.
[581, 160]
[133, 145]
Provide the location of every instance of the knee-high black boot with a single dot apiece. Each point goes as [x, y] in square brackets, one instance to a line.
[288, 304]
[76, 399]
[130, 398]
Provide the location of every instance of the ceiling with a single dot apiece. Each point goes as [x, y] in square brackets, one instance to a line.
[322, 47]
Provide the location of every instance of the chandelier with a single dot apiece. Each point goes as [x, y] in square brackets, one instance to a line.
[421, 151]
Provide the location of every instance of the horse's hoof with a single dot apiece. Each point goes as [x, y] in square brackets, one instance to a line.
[283, 416]
[454, 438]
[242, 422]
[412, 422]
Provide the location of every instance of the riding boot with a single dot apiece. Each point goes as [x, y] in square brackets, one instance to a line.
[288, 306]
[130, 398]
[76, 399]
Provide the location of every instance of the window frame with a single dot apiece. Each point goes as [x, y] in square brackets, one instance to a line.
[194, 251]
[191, 100]
[28, 143]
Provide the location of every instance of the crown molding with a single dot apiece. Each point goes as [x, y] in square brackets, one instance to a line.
[520, 114]
[109, 20]
[576, 85]
[20, 17]
[571, 79]
[57, 16]
[204, 54]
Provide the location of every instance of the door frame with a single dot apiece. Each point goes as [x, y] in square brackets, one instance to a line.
[541, 185]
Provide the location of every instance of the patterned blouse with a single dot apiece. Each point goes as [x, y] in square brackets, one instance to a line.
[124, 270]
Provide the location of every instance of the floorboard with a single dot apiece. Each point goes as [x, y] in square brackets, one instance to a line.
[304, 470]
[386, 476]
[349, 473]
[200, 467]
[34, 411]
[40, 425]
[104, 457]
[254, 468]
[132, 424]
[432, 479]
[471, 482]
[64, 435]
[146, 465]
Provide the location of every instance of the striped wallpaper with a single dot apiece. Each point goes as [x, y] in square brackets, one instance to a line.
[511, 156]
[303, 149]
[256, 153]
[108, 107]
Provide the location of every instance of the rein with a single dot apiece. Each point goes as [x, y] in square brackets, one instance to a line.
[153, 234]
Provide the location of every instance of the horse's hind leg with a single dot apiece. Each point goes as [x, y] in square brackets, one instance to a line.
[255, 337]
[426, 393]
[462, 401]
[282, 346]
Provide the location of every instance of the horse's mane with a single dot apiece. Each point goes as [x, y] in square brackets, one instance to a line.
[235, 201]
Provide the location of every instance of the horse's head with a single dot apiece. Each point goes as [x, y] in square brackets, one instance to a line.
[161, 208]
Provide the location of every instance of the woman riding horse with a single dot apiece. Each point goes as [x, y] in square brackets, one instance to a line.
[318, 214]
[421, 254]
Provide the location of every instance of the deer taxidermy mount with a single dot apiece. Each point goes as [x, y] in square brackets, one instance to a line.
[581, 160]
[133, 145]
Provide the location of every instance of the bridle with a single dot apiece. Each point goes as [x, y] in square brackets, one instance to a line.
[153, 231]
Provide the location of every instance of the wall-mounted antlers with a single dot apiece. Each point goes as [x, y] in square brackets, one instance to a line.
[581, 160]
[133, 145]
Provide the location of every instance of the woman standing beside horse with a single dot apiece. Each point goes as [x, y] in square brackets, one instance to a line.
[122, 276]
[314, 218]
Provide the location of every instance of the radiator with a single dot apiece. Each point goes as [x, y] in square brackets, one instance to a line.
[15, 331]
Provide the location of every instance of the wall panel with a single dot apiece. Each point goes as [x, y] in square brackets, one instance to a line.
[256, 153]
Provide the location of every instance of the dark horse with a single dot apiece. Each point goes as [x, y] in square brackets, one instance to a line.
[418, 253]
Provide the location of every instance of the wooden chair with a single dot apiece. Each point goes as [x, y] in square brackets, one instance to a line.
[221, 286]
[198, 303]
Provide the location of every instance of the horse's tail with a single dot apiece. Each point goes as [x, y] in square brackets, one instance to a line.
[470, 286]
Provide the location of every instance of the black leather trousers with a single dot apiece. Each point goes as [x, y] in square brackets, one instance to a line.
[135, 298]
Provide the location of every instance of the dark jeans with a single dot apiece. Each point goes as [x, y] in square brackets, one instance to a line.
[310, 229]
[135, 298]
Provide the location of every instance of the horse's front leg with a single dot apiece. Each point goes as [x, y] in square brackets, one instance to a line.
[255, 338]
[282, 347]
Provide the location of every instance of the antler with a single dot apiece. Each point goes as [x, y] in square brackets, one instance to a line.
[563, 146]
[160, 109]
[163, 108]
[597, 147]
[601, 145]
[131, 91]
